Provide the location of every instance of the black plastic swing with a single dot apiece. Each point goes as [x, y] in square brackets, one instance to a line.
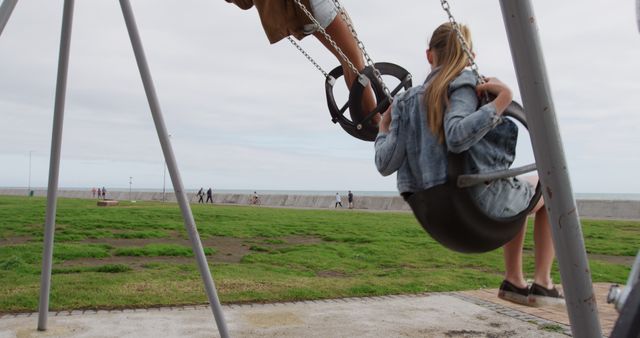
[359, 124]
[451, 216]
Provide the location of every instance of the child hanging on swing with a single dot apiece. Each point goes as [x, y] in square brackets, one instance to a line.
[442, 115]
[284, 18]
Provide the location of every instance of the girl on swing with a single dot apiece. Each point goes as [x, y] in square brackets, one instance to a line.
[442, 115]
[284, 18]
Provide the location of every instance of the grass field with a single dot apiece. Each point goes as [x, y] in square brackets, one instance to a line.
[138, 255]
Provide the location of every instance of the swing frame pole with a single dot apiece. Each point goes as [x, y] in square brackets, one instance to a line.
[56, 146]
[170, 160]
[54, 164]
[526, 51]
[5, 12]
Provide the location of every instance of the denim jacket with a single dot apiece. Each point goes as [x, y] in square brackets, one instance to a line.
[415, 153]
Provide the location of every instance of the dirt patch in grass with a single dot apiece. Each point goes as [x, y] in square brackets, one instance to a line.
[331, 274]
[228, 249]
[622, 260]
[133, 262]
[15, 240]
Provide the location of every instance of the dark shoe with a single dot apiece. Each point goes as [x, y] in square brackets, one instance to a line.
[513, 293]
[540, 296]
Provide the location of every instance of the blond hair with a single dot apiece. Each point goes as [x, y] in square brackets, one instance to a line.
[451, 59]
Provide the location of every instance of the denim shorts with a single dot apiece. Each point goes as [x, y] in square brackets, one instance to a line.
[324, 11]
[505, 197]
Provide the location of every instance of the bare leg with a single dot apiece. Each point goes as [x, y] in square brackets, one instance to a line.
[543, 242]
[340, 33]
[513, 259]
[543, 248]
[544, 251]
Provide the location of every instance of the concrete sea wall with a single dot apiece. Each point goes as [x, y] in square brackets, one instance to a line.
[613, 209]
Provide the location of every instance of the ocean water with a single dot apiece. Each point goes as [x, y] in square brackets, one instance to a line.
[578, 196]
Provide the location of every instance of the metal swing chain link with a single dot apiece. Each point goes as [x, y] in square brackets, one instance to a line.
[308, 57]
[327, 36]
[368, 59]
[463, 42]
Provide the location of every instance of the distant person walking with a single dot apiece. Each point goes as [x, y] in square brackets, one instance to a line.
[200, 195]
[338, 200]
[93, 192]
[209, 195]
[255, 199]
[350, 199]
[104, 193]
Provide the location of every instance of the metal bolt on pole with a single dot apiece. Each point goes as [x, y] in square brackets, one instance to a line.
[54, 164]
[528, 59]
[181, 196]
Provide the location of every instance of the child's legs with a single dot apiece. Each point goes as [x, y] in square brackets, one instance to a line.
[341, 34]
[543, 242]
[512, 252]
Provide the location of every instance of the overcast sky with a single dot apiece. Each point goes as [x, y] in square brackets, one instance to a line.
[244, 114]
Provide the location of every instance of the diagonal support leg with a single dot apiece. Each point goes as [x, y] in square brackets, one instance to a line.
[526, 50]
[181, 195]
[5, 12]
[54, 164]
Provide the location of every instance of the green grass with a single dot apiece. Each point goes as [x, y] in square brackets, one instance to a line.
[134, 255]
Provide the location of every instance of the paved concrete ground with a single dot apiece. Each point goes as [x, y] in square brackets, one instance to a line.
[462, 314]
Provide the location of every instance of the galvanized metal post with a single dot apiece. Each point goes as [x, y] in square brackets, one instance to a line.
[526, 51]
[637, 14]
[181, 195]
[54, 164]
[5, 12]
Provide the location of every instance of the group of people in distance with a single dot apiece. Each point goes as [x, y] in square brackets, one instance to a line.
[201, 193]
[100, 193]
[438, 116]
[349, 199]
[253, 199]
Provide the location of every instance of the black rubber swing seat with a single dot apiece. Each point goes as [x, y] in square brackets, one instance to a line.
[359, 124]
[450, 215]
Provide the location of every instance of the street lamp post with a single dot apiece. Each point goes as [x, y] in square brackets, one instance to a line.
[29, 183]
[130, 182]
[164, 178]
[164, 182]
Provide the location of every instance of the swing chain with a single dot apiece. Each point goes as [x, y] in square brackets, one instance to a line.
[368, 59]
[465, 46]
[308, 56]
[327, 36]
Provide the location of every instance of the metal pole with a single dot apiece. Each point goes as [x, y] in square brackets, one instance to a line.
[637, 14]
[54, 164]
[181, 196]
[29, 183]
[528, 59]
[130, 182]
[5, 12]
[164, 179]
